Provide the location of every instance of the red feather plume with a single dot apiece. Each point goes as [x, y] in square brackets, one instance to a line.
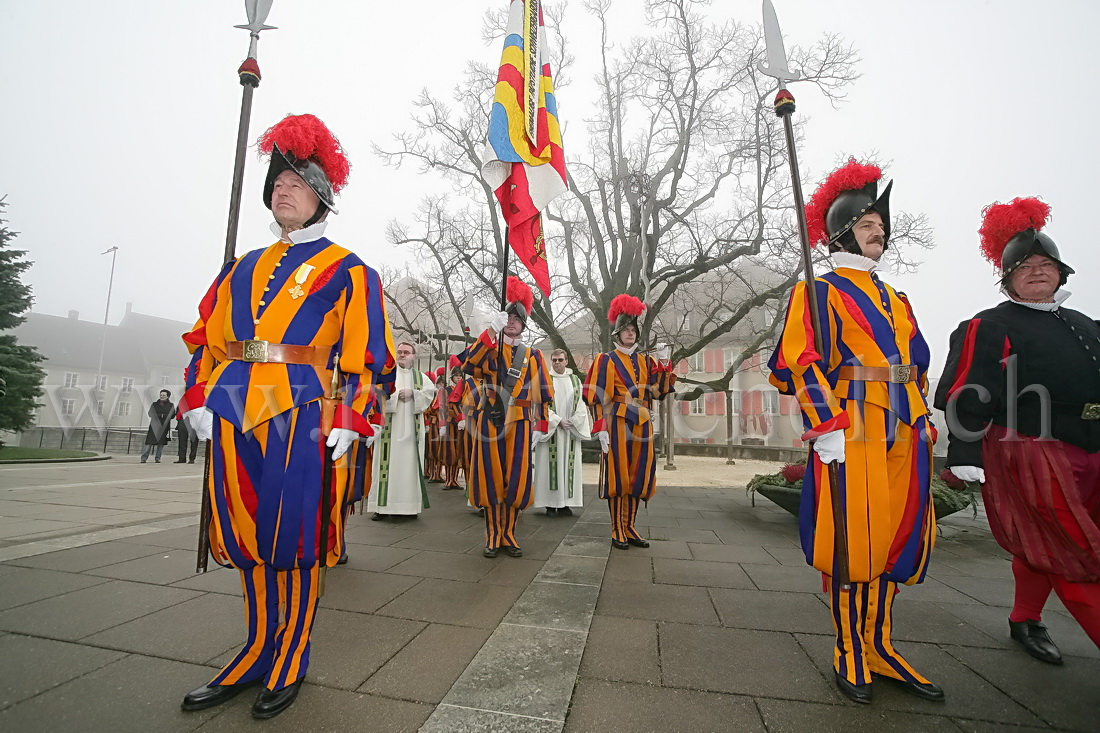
[305, 136]
[851, 175]
[518, 291]
[627, 304]
[454, 362]
[1002, 222]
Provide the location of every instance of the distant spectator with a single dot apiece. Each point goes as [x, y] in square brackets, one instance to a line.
[161, 413]
[185, 435]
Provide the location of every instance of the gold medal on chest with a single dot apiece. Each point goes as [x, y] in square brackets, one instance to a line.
[300, 276]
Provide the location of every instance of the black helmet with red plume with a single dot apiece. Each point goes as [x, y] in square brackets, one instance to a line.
[519, 299]
[303, 144]
[1010, 233]
[625, 311]
[846, 196]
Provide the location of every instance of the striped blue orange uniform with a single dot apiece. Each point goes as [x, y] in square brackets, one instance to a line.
[267, 449]
[884, 479]
[619, 388]
[499, 480]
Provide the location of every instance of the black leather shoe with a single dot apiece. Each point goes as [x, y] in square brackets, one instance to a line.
[514, 551]
[637, 542]
[343, 559]
[1035, 639]
[376, 517]
[566, 511]
[179, 461]
[620, 545]
[551, 511]
[490, 552]
[192, 460]
[270, 703]
[855, 693]
[208, 696]
[916, 689]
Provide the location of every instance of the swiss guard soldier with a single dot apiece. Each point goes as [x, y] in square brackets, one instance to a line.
[453, 437]
[276, 330]
[863, 405]
[1021, 390]
[515, 390]
[618, 388]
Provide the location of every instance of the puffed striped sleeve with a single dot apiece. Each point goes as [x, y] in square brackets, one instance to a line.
[796, 367]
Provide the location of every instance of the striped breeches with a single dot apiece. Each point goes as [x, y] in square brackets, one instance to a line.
[623, 511]
[862, 618]
[279, 607]
[500, 526]
[630, 463]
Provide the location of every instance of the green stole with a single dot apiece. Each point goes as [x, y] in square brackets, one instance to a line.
[384, 452]
[553, 441]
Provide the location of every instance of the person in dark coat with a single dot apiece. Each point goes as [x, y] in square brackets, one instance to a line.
[160, 413]
[186, 436]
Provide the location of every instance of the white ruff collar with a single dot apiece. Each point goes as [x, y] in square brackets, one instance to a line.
[1059, 298]
[857, 262]
[308, 234]
[628, 350]
[517, 341]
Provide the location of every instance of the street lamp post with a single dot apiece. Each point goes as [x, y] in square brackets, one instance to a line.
[113, 251]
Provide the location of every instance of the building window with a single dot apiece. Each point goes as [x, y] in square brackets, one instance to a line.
[695, 362]
[164, 381]
[698, 406]
[727, 358]
[99, 408]
[71, 379]
[123, 409]
[68, 407]
[771, 402]
[128, 386]
[101, 382]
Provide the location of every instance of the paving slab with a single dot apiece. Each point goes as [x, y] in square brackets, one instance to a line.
[425, 668]
[629, 567]
[456, 719]
[614, 706]
[656, 602]
[135, 694]
[739, 661]
[517, 571]
[700, 573]
[161, 567]
[790, 716]
[82, 612]
[562, 568]
[453, 602]
[32, 665]
[771, 610]
[522, 671]
[565, 606]
[622, 650]
[79, 559]
[734, 554]
[362, 591]
[784, 578]
[23, 586]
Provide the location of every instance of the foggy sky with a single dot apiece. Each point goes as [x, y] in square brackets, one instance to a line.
[120, 120]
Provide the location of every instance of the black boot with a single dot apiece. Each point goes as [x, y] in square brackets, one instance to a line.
[1035, 640]
[270, 703]
[566, 511]
[551, 511]
[619, 545]
[855, 693]
[208, 696]
[925, 691]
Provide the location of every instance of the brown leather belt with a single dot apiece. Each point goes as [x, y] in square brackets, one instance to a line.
[521, 403]
[895, 373]
[636, 401]
[265, 352]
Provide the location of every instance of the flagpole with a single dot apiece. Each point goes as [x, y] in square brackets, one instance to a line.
[784, 107]
[249, 75]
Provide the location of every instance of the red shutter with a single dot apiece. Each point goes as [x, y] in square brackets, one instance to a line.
[683, 367]
[721, 397]
[786, 404]
[757, 402]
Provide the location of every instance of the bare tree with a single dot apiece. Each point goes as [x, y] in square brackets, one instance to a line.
[681, 197]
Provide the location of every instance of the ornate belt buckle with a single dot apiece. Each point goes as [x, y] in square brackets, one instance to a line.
[514, 373]
[901, 373]
[1091, 411]
[254, 351]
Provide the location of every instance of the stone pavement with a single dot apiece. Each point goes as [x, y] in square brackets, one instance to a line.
[718, 626]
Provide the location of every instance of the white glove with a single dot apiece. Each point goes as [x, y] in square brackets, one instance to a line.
[537, 437]
[461, 424]
[830, 447]
[442, 431]
[340, 439]
[605, 440]
[499, 321]
[368, 440]
[969, 473]
[201, 421]
[662, 352]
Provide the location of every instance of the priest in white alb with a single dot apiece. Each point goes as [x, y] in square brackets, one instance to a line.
[557, 469]
[398, 487]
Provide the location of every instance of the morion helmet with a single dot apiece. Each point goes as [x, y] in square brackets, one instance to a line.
[843, 199]
[303, 144]
[519, 299]
[625, 311]
[1010, 233]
